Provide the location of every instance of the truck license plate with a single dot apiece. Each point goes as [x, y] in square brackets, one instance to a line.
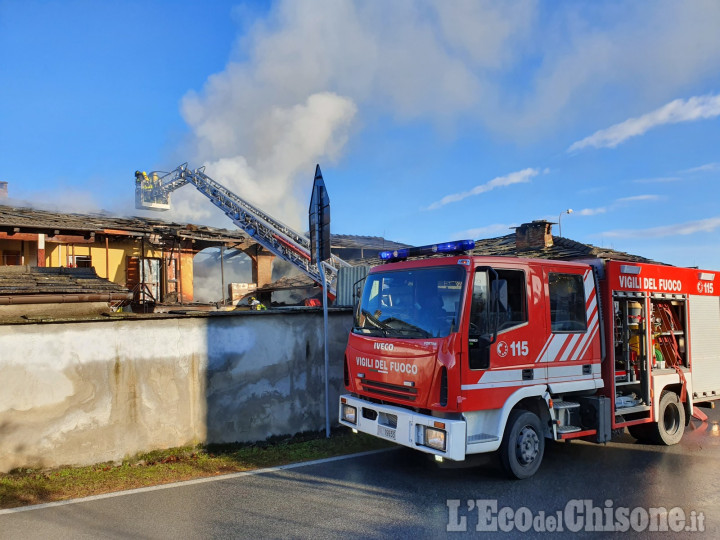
[386, 432]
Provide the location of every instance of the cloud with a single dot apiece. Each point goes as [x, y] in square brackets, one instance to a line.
[677, 111]
[636, 198]
[586, 52]
[519, 177]
[592, 211]
[617, 204]
[708, 167]
[679, 229]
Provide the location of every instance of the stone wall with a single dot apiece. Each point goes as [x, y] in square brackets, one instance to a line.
[93, 391]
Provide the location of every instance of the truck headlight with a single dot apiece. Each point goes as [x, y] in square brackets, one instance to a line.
[349, 414]
[434, 438]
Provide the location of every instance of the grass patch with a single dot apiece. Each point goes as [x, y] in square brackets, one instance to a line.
[23, 487]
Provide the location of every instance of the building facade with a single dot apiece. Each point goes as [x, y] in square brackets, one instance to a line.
[152, 258]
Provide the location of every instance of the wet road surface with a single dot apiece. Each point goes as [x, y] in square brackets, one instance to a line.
[401, 494]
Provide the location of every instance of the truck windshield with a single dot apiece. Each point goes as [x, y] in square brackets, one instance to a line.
[419, 303]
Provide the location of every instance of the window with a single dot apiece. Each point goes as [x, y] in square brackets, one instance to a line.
[499, 303]
[514, 312]
[510, 288]
[83, 261]
[567, 303]
[412, 304]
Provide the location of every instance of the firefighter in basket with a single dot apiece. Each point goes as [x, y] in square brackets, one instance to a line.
[255, 304]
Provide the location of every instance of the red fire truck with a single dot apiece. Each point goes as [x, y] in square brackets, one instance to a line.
[457, 355]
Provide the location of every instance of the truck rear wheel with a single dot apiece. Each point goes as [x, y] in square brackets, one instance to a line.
[670, 424]
[523, 444]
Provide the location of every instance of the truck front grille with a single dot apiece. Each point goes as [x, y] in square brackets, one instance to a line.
[396, 391]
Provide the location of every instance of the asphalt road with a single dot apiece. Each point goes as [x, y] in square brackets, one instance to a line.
[400, 494]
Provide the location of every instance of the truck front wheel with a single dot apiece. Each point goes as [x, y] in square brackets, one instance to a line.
[670, 424]
[523, 444]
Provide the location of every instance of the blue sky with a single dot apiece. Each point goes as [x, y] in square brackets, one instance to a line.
[431, 120]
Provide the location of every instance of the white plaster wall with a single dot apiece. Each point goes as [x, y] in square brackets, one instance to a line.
[88, 392]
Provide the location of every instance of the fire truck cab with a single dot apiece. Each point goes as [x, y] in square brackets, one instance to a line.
[462, 355]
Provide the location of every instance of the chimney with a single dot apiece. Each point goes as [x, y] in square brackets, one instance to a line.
[3, 190]
[535, 235]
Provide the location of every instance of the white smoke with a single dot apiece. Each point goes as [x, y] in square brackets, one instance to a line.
[68, 200]
[208, 274]
[305, 77]
[292, 93]
[282, 146]
[290, 142]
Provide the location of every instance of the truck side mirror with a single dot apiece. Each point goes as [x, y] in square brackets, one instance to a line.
[357, 295]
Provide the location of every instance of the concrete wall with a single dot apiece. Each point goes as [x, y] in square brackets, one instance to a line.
[92, 391]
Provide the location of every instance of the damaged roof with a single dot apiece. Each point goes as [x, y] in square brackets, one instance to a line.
[562, 249]
[30, 220]
[30, 280]
[364, 242]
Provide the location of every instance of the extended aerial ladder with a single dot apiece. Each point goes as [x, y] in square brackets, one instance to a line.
[152, 192]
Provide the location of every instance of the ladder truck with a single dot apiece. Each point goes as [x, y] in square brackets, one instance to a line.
[152, 192]
[456, 354]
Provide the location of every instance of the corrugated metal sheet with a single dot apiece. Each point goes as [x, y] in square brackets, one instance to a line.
[348, 279]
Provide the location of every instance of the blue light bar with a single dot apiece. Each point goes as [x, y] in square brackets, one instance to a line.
[398, 254]
[456, 247]
[459, 246]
